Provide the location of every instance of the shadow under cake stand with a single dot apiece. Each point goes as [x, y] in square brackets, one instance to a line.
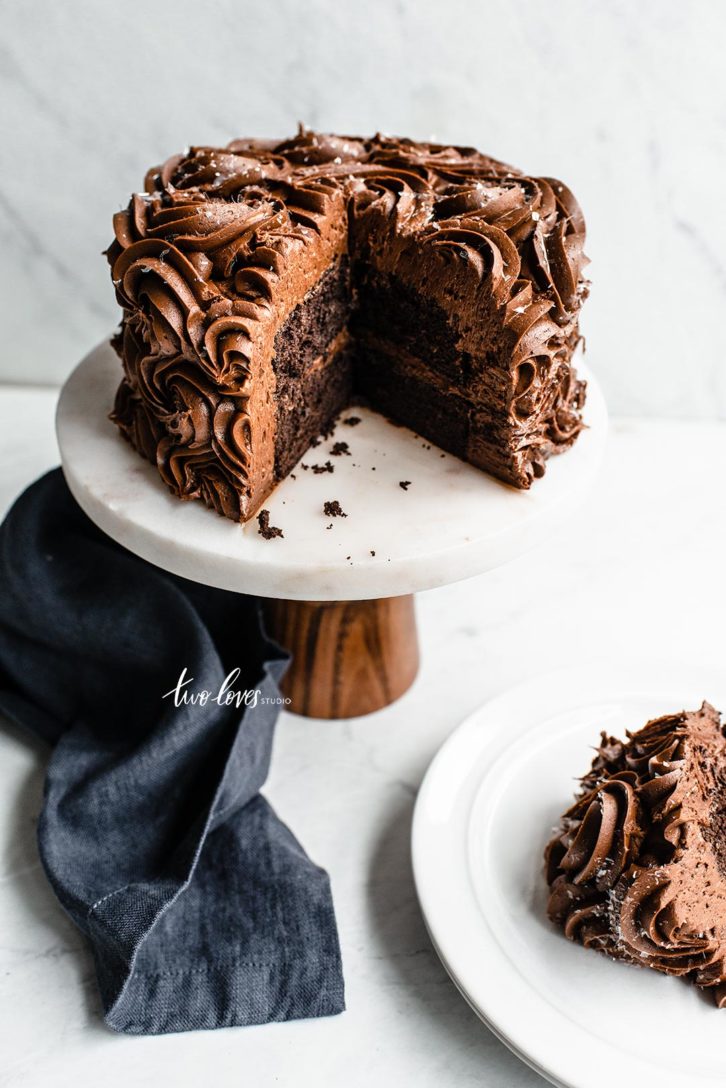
[339, 590]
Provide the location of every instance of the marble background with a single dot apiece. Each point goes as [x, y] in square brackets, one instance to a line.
[626, 102]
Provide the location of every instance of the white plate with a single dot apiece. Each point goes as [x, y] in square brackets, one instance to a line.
[485, 811]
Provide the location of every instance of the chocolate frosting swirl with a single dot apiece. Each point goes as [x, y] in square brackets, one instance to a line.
[202, 260]
[633, 871]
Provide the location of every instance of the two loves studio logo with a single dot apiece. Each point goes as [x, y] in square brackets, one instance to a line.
[185, 694]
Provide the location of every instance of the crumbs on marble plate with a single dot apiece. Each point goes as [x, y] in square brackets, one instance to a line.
[267, 531]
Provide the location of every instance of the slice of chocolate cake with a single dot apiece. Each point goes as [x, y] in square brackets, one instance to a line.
[266, 284]
[638, 867]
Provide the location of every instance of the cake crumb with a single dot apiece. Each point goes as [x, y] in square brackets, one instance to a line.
[318, 469]
[352, 421]
[267, 531]
[404, 484]
[340, 449]
[314, 442]
[372, 552]
[334, 510]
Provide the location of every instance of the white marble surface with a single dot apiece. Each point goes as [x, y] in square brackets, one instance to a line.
[641, 573]
[625, 101]
[450, 522]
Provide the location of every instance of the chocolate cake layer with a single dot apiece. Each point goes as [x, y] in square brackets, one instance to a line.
[637, 868]
[244, 332]
[396, 314]
[312, 326]
[406, 397]
[313, 366]
[317, 397]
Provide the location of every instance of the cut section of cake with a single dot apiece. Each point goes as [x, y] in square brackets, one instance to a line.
[267, 285]
[637, 869]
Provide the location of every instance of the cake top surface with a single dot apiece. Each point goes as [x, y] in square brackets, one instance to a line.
[216, 227]
[483, 209]
[638, 867]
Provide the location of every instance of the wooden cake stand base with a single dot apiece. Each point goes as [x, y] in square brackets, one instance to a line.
[339, 589]
[348, 657]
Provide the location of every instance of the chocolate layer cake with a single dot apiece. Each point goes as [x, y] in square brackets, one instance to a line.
[265, 285]
[638, 868]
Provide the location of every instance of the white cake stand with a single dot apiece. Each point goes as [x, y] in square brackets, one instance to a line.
[339, 589]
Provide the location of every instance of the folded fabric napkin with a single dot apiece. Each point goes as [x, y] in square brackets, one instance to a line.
[201, 907]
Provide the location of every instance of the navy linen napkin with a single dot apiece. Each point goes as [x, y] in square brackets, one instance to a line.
[201, 907]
